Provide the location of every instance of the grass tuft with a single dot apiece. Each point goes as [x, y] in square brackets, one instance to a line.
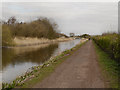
[110, 69]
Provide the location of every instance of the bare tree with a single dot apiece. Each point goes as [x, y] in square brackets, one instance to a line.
[11, 20]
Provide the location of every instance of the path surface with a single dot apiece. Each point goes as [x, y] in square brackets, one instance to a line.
[80, 70]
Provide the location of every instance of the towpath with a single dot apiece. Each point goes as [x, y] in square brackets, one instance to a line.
[80, 70]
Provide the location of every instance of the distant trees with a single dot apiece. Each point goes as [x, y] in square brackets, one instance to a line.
[85, 36]
[72, 34]
[11, 20]
[40, 28]
[62, 35]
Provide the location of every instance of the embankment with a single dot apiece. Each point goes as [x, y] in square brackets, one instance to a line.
[22, 41]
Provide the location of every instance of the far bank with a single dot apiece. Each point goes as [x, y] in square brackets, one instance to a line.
[22, 41]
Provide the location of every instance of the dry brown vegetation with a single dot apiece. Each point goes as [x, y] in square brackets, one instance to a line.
[40, 28]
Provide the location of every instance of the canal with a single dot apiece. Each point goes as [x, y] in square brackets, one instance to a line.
[16, 61]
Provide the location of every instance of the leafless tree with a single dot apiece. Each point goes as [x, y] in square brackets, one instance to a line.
[11, 20]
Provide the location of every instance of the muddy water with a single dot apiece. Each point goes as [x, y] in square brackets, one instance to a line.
[16, 61]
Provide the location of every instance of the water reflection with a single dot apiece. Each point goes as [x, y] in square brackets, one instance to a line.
[39, 55]
[16, 61]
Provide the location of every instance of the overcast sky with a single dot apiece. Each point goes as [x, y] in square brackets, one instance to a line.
[78, 17]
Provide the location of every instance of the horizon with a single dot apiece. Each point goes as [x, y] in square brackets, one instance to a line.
[77, 17]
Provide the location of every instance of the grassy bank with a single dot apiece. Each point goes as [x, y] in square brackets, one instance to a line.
[40, 28]
[110, 69]
[38, 73]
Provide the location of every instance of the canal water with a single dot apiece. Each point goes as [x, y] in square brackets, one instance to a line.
[16, 61]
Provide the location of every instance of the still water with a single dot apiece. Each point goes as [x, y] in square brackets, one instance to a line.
[16, 61]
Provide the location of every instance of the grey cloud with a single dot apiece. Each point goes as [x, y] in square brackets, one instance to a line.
[89, 17]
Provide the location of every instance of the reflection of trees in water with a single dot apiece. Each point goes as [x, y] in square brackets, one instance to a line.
[7, 56]
[38, 56]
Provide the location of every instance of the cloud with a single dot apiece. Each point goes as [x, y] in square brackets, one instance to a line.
[77, 17]
[61, 1]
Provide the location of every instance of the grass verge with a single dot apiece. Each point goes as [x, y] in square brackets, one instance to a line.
[38, 73]
[109, 67]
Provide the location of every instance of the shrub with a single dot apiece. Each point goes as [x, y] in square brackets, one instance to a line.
[6, 36]
[109, 43]
[41, 28]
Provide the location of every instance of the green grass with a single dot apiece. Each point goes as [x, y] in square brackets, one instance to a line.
[44, 72]
[109, 68]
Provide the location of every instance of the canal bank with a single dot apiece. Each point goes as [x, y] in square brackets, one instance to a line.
[37, 73]
[23, 41]
[16, 61]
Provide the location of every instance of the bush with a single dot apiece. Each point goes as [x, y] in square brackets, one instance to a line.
[109, 43]
[41, 28]
[6, 36]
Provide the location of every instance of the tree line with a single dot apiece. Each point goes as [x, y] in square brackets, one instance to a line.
[40, 28]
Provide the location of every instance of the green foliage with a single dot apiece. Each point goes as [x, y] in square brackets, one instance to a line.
[110, 69]
[109, 43]
[85, 36]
